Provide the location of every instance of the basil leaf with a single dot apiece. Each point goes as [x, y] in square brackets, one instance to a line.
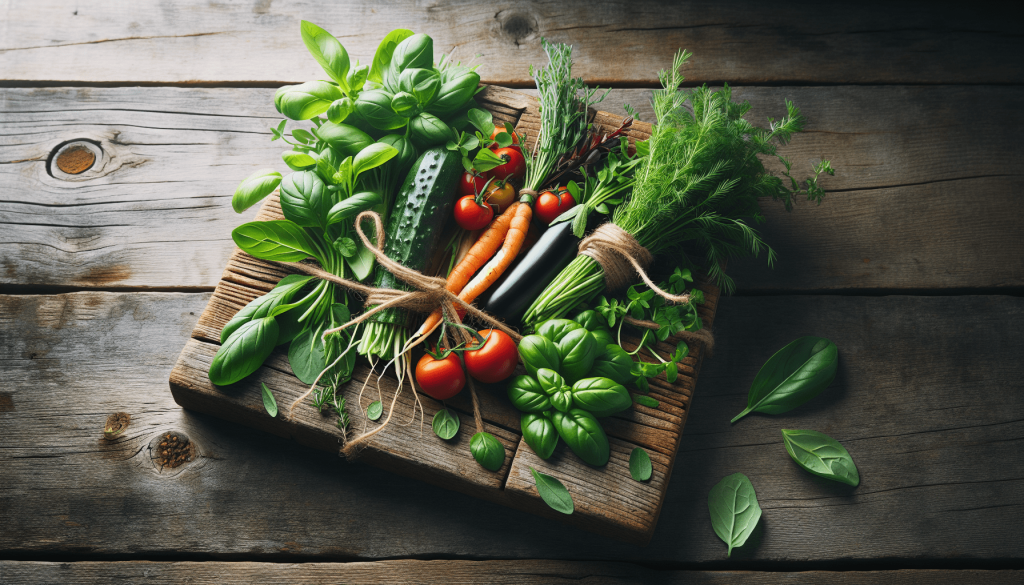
[445, 424]
[414, 52]
[375, 409]
[427, 130]
[306, 356]
[345, 246]
[265, 305]
[420, 83]
[244, 351]
[487, 450]
[734, 510]
[603, 337]
[613, 363]
[305, 199]
[382, 58]
[539, 433]
[306, 100]
[584, 435]
[339, 110]
[455, 93]
[375, 107]
[327, 51]
[345, 140]
[576, 352]
[372, 157]
[254, 188]
[538, 352]
[268, 400]
[405, 104]
[821, 455]
[280, 240]
[553, 492]
[526, 394]
[482, 120]
[600, 396]
[556, 329]
[298, 161]
[640, 467]
[356, 78]
[353, 206]
[647, 401]
[794, 375]
[589, 320]
[549, 381]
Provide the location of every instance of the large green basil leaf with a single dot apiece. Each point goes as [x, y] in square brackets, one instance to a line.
[405, 104]
[327, 51]
[415, 52]
[254, 188]
[539, 433]
[427, 130]
[821, 455]
[734, 510]
[374, 106]
[280, 240]
[553, 492]
[305, 200]
[556, 329]
[356, 78]
[264, 306]
[584, 435]
[613, 362]
[794, 375]
[526, 394]
[353, 206]
[538, 352]
[421, 83]
[382, 58]
[590, 320]
[600, 396]
[559, 394]
[487, 450]
[306, 356]
[372, 157]
[298, 161]
[340, 109]
[603, 337]
[454, 93]
[345, 139]
[576, 352]
[306, 100]
[244, 351]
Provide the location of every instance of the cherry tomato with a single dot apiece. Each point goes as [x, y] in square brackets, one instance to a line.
[549, 206]
[496, 360]
[440, 379]
[470, 215]
[500, 193]
[472, 183]
[514, 166]
[499, 130]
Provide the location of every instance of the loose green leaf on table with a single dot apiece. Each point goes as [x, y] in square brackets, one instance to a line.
[647, 401]
[821, 455]
[640, 465]
[375, 409]
[254, 188]
[553, 492]
[445, 424]
[268, 400]
[487, 450]
[734, 510]
[794, 375]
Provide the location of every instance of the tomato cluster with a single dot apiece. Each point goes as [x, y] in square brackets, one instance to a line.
[492, 362]
[482, 195]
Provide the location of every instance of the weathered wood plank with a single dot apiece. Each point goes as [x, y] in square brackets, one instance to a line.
[928, 401]
[930, 195]
[529, 572]
[750, 42]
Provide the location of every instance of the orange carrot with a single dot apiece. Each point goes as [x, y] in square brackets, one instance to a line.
[501, 261]
[486, 245]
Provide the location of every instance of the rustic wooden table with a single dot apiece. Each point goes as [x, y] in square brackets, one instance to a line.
[914, 266]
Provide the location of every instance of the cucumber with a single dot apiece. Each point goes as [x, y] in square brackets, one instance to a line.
[417, 218]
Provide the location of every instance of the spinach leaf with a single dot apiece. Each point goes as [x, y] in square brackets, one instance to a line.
[539, 433]
[445, 424]
[268, 400]
[375, 409]
[526, 394]
[576, 352]
[306, 356]
[287, 317]
[556, 329]
[614, 363]
[553, 492]
[353, 206]
[280, 240]
[254, 188]
[600, 396]
[244, 351]
[794, 375]
[640, 465]
[305, 200]
[821, 455]
[327, 51]
[265, 305]
[487, 450]
[584, 435]
[734, 510]
[538, 352]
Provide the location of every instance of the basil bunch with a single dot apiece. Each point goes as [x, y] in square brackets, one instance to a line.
[561, 396]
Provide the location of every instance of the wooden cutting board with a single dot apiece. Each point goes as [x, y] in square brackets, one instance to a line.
[607, 500]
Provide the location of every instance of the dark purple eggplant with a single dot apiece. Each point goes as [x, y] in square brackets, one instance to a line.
[528, 277]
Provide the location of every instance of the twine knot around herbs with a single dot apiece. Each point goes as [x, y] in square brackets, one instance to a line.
[622, 258]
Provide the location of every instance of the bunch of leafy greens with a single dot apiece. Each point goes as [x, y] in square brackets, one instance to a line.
[695, 192]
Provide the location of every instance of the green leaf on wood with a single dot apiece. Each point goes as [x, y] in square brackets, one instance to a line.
[445, 424]
[487, 450]
[821, 455]
[268, 400]
[375, 409]
[647, 401]
[734, 510]
[640, 465]
[553, 492]
[254, 188]
[794, 375]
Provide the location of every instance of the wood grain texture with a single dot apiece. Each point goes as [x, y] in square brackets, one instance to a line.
[529, 572]
[927, 196]
[158, 41]
[928, 402]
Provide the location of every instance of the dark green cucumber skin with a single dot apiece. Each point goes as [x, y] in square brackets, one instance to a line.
[417, 218]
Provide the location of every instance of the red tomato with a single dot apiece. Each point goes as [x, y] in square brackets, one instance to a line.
[499, 130]
[470, 215]
[440, 379]
[549, 206]
[501, 195]
[496, 360]
[514, 166]
[472, 183]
